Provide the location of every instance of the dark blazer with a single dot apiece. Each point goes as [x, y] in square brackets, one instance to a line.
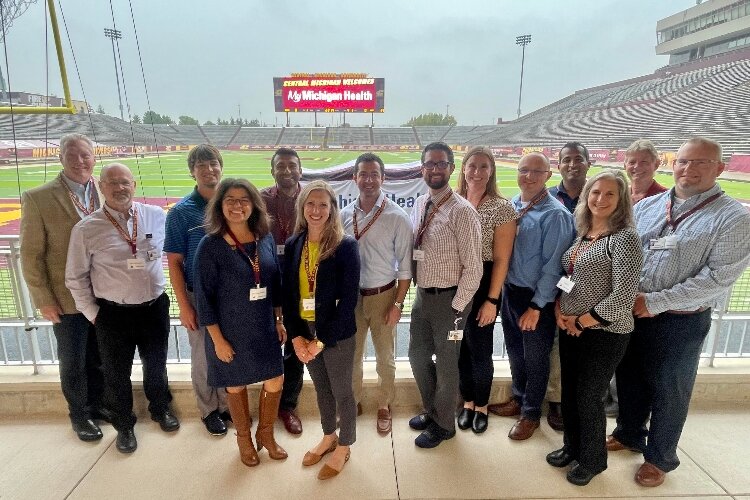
[336, 291]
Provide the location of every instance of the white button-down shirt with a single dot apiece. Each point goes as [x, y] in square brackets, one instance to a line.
[98, 254]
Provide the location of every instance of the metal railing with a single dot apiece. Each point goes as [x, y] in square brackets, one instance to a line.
[26, 339]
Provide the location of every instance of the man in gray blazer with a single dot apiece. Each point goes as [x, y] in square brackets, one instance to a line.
[48, 214]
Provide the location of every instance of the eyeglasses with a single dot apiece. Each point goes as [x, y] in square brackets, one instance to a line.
[124, 184]
[532, 173]
[432, 165]
[682, 162]
[245, 202]
[373, 176]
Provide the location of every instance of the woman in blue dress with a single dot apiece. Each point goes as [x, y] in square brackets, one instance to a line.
[238, 294]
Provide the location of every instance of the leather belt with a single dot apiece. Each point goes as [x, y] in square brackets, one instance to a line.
[435, 290]
[117, 304]
[365, 292]
[688, 312]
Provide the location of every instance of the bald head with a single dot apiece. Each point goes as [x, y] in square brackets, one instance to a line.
[533, 173]
[117, 185]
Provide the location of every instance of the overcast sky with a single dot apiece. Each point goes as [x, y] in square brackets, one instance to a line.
[204, 61]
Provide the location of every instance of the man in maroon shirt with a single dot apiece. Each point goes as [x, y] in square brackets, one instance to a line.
[286, 168]
[641, 162]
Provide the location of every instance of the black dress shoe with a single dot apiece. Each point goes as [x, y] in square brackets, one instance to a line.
[87, 430]
[167, 421]
[126, 442]
[579, 475]
[214, 424]
[420, 422]
[479, 424]
[465, 418]
[433, 436]
[560, 458]
[103, 414]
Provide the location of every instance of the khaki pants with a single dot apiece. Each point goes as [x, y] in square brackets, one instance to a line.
[370, 315]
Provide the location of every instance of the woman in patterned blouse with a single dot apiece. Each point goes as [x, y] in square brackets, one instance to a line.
[477, 183]
[594, 313]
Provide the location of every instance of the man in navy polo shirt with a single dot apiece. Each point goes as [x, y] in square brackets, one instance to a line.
[183, 233]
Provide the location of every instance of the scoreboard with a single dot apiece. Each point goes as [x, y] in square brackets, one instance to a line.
[329, 93]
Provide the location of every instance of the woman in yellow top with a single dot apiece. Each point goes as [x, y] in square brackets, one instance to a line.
[321, 281]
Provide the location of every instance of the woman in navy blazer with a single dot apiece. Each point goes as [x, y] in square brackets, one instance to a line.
[321, 281]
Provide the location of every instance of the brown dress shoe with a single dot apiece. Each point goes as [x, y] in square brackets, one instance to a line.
[292, 423]
[649, 475]
[614, 445]
[511, 408]
[554, 417]
[311, 458]
[523, 429]
[384, 421]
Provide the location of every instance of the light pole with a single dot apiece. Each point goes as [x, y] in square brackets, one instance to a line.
[523, 41]
[115, 35]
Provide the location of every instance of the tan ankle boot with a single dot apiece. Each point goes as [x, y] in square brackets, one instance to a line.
[268, 408]
[240, 412]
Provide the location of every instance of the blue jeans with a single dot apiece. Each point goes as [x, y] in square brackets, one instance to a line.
[656, 378]
[528, 352]
[80, 366]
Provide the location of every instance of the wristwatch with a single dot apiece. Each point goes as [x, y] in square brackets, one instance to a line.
[400, 305]
[279, 319]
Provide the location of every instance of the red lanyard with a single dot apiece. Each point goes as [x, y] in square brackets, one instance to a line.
[129, 239]
[533, 202]
[426, 221]
[357, 234]
[254, 262]
[76, 201]
[687, 214]
[285, 225]
[580, 249]
[311, 277]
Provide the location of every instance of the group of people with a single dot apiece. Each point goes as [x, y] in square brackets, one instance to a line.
[621, 276]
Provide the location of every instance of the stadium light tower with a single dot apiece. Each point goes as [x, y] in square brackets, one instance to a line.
[523, 41]
[115, 35]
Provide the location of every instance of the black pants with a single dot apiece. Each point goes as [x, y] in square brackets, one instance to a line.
[587, 364]
[81, 375]
[119, 331]
[475, 367]
[294, 370]
[655, 379]
[528, 352]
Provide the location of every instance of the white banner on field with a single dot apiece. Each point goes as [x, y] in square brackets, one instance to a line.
[403, 183]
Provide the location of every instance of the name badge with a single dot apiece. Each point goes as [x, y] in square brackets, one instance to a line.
[279, 249]
[664, 243]
[136, 263]
[418, 254]
[308, 304]
[565, 284]
[153, 255]
[455, 335]
[258, 293]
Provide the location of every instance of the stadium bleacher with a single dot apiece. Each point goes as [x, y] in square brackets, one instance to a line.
[705, 97]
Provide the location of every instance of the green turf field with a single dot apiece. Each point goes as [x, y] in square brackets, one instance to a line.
[167, 175]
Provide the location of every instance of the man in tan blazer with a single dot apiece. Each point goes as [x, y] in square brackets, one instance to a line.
[48, 214]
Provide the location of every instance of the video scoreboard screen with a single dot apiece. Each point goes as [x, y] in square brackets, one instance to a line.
[329, 93]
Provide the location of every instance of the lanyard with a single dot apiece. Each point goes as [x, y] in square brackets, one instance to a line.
[675, 222]
[357, 234]
[76, 201]
[580, 249]
[254, 262]
[285, 225]
[426, 221]
[311, 277]
[129, 239]
[533, 202]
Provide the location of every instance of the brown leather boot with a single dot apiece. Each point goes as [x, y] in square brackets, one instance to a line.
[268, 408]
[240, 412]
